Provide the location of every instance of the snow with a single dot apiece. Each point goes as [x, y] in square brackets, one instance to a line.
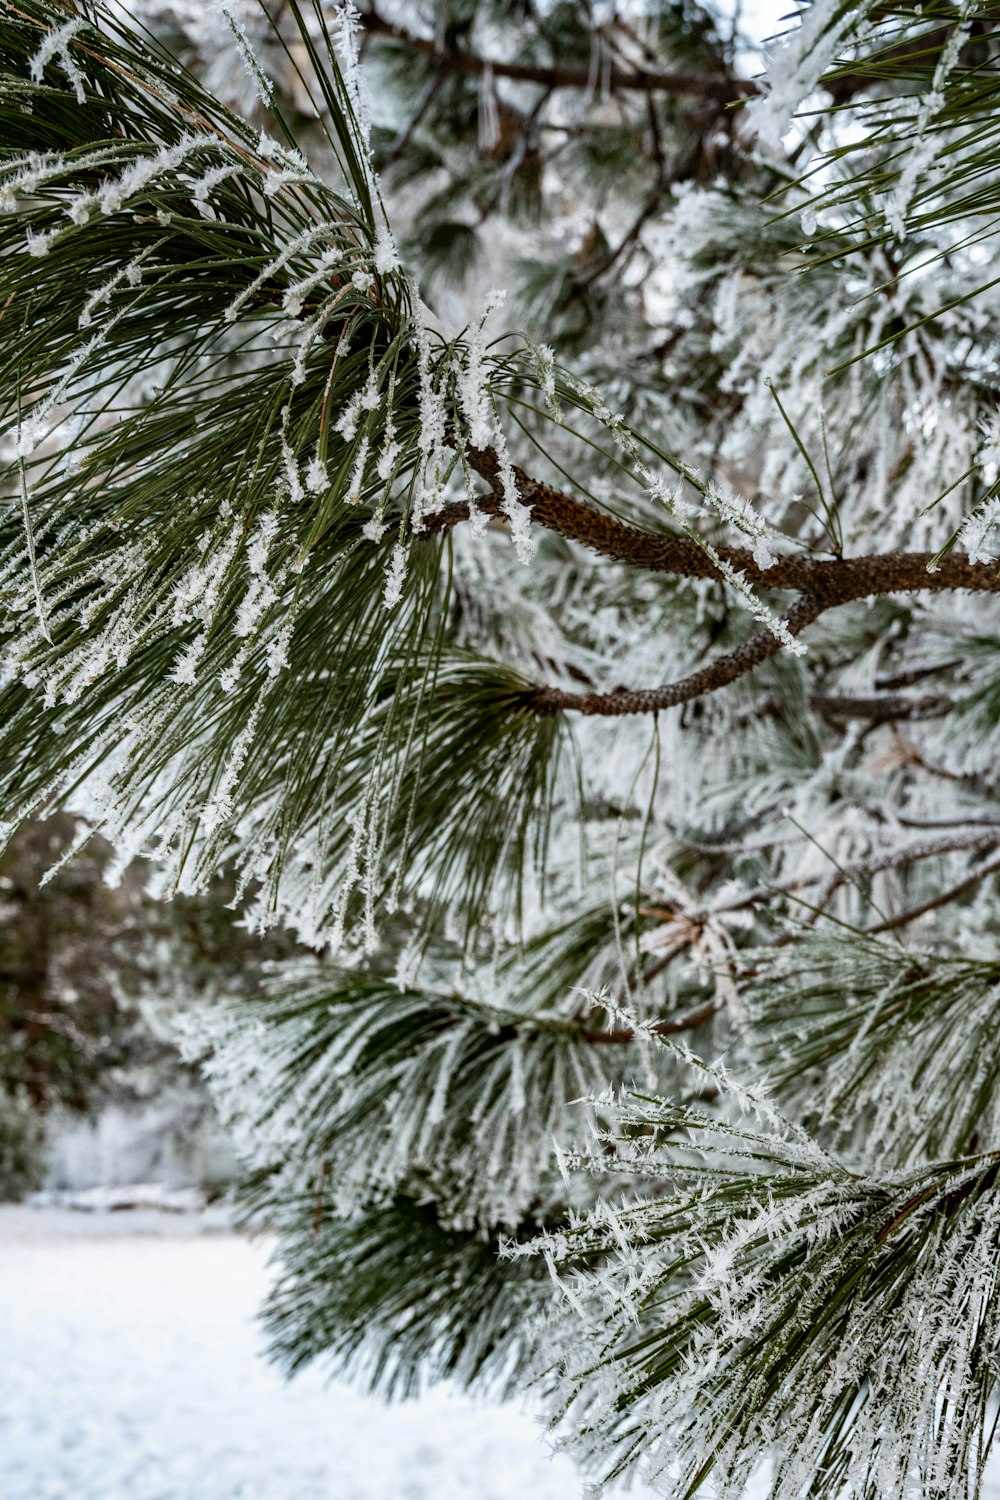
[132, 1371]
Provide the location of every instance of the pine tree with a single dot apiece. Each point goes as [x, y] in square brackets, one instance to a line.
[611, 705]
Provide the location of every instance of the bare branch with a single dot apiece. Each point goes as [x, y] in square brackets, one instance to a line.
[717, 674]
[720, 91]
[992, 867]
[880, 708]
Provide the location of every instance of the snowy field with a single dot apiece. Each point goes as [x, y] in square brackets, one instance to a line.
[130, 1370]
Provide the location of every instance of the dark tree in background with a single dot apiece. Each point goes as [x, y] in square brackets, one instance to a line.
[94, 969]
[610, 705]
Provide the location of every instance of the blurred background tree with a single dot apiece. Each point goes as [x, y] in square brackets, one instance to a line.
[94, 971]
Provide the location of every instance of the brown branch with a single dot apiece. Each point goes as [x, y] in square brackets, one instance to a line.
[823, 583]
[992, 867]
[882, 708]
[725, 669]
[831, 581]
[721, 91]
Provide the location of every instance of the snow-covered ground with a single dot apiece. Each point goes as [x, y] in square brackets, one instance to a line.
[130, 1369]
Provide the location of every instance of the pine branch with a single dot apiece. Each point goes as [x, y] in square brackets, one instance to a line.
[722, 92]
[879, 708]
[399, 1088]
[824, 584]
[710, 679]
[900, 1033]
[396, 1295]
[829, 581]
[773, 1302]
[943, 898]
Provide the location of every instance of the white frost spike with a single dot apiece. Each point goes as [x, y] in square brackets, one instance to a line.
[739, 513]
[387, 460]
[118, 192]
[386, 256]
[755, 604]
[357, 479]
[276, 650]
[976, 529]
[23, 176]
[29, 537]
[253, 606]
[348, 20]
[203, 185]
[517, 513]
[394, 577]
[39, 244]
[924, 149]
[347, 423]
[545, 366]
[184, 670]
[56, 45]
[32, 429]
[296, 246]
[219, 810]
[294, 299]
[131, 274]
[988, 454]
[317, 479]
[390, 449]
[474, 390]
[260, 80]
[230, 676]
[196, 594]
[292, 476]
[260, 543]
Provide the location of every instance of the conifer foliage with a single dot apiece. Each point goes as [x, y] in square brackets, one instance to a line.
[602, 679]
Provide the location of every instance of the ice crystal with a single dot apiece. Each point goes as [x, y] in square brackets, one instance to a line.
[317, 479]
[263, 85]
[798, 64]
[977, 528]
[395, 577]
[385, 254]
[184, 670]
[56, 45]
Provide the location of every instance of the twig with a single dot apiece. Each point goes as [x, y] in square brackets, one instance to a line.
[725, 669]
[721, 91]
[823, 583]
[941, 899]
[670, 1027]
